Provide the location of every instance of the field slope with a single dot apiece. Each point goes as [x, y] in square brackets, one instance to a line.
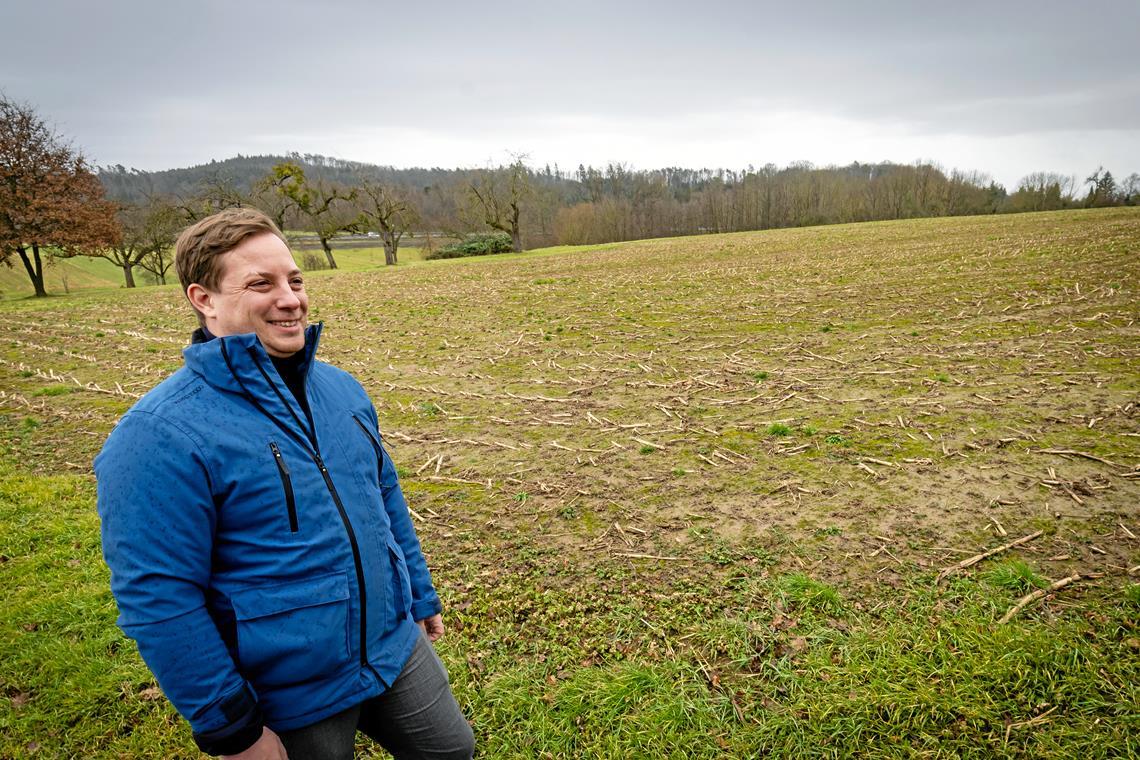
[682, 498]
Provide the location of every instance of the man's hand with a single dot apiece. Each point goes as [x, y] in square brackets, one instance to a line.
[268, 747]
[432, 626]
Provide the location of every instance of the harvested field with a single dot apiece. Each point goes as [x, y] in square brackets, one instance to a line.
[673, 489]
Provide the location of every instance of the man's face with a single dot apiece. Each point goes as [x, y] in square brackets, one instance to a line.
[261, 291]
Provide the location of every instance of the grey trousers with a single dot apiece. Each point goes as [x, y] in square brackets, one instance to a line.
[418, 718]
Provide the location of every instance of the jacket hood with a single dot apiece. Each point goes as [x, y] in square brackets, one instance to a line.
[239, 364]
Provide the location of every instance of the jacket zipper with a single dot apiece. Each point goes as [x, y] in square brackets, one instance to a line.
[376, 446]
[355, 558]
[287, 484]
[315, 453]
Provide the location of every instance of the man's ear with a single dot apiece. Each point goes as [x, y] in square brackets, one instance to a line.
[202, 300]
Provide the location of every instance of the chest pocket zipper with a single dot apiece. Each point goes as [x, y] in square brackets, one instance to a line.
[375, 445]
[287, 484]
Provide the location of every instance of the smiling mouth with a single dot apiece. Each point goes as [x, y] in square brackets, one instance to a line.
[285, 323]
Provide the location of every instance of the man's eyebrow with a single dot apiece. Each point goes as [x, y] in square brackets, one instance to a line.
[271, 275]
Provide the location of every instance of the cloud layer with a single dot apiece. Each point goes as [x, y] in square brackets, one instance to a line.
[1007, 88]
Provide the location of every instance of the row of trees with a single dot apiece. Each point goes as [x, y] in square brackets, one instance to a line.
[1044, 191]
[539, 207]
[296, 200]
[299, 197]
[51, 201]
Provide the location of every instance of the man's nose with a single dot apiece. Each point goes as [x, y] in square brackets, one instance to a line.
[287, 298]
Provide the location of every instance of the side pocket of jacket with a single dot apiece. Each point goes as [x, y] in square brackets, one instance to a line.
[286, 484]
[401, 584]
[289, 633]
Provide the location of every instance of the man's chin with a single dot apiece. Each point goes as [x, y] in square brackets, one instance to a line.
[283, 348]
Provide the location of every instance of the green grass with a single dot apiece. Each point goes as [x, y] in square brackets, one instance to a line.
[765, 669]
[74, 685]
[83, 273]
[55, 390]
[801, 592]
[60, 276]
[1016, 576]
[362, 259]
[895, 686]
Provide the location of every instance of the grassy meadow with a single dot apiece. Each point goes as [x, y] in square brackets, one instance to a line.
[82, 274]
[693, 498]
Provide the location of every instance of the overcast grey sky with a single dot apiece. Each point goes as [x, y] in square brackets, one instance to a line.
[1005, 87]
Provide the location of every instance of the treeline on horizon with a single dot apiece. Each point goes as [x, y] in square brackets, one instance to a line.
[551, 206]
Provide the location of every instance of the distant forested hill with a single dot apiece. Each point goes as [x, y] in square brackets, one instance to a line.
[551, 205]
[241, 172]
[592, 205]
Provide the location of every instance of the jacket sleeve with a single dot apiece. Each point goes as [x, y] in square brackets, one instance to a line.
[157, 518]
[425, 600]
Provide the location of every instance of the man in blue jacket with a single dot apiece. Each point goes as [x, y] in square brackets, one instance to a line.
[261, 551]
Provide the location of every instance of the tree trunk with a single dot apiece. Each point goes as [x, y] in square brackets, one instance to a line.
[328, 252]
[129, 275]
[516, 233]
[389, 252]
[161, 278]
[35, 270]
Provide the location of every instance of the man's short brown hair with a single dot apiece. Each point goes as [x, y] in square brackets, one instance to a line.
[198, 251]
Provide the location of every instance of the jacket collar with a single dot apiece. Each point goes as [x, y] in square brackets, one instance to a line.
[201, 335]
[239, 364]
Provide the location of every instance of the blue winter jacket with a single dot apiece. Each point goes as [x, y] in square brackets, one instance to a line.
[263, 559]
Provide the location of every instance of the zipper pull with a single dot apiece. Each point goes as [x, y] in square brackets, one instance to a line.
[277, 455]
[320, 463]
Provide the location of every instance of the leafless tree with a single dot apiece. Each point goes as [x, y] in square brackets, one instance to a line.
[162, 228]
[327, 209]
[146, 232]
[497, 196]
[214, 194]
[389, 210]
